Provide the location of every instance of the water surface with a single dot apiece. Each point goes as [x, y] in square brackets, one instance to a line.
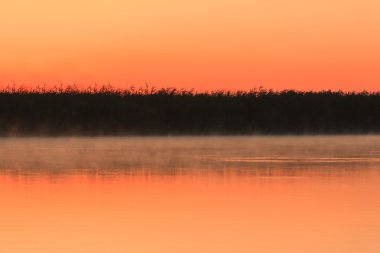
[190, 194]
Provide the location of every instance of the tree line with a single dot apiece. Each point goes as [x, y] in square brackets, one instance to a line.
[170, 111]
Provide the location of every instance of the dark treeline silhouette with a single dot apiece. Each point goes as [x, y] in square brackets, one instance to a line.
[147, 111]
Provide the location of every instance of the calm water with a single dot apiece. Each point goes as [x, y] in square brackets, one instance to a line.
[190, 194]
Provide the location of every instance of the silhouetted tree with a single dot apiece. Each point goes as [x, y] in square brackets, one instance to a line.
[147, 111]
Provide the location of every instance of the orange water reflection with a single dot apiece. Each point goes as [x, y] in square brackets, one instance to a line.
[80, 213]
[266, 209]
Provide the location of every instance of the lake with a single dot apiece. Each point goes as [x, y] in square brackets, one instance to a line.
[190, 194]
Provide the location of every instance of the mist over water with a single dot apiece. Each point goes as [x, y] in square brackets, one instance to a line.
[171, 155]
[190, 194]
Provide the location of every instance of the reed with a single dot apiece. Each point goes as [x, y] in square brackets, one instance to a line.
[105, 110]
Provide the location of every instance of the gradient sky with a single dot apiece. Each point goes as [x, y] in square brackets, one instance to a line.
[202, 44]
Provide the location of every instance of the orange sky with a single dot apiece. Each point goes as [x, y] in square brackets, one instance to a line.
[204, 44]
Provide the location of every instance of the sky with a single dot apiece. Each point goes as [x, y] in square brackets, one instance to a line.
[201, 44]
